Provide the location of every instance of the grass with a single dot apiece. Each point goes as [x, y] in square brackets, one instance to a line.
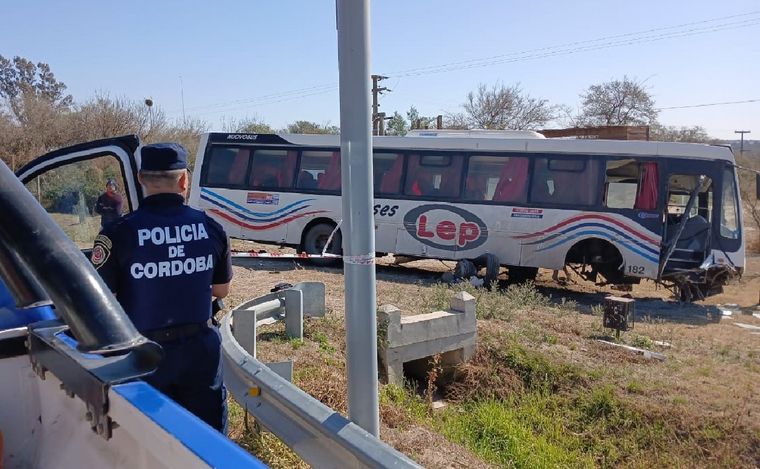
[494, 303]
[267, 447]
[504, 433]
[324, 343]
[539, 393]
[642, 341]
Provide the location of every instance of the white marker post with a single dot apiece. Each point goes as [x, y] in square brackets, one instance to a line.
[358, 219]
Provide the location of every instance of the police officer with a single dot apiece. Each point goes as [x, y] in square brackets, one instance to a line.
[164, 262]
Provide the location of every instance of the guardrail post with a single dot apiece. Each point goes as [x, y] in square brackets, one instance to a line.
[294, 313]
[245, 330]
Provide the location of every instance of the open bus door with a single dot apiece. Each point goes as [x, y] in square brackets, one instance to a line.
[701, 219]
[69, 181]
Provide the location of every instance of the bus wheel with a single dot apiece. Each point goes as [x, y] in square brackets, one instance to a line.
[315, 239]
[492, 265]
[522, 274]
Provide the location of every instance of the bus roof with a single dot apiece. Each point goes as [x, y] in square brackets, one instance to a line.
[478, 133]
[478, 143]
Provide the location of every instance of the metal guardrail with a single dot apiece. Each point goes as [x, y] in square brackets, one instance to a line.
[317, 433]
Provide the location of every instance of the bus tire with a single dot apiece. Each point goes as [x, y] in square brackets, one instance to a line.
[314, 242]
[519, 274]
[492, 265]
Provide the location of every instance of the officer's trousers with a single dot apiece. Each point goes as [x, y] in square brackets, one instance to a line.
[191, 374]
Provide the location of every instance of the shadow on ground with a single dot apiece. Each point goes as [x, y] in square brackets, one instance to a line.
[647, 308]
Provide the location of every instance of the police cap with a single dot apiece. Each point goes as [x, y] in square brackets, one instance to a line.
[163, 157]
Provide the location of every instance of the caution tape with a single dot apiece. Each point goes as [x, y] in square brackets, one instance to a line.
[278, 255]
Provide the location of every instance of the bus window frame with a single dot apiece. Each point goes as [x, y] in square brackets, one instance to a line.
[662, 187]
[597, 206]
[399, 154]
[727, 244]
[207, 163]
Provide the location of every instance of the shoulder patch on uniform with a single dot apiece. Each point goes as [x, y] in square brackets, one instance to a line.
[101, 251]
[104, 240]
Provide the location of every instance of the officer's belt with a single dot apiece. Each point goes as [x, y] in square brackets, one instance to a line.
[170, 334]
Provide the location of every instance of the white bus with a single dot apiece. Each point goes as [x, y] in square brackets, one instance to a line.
[624, 210]
[615, 211]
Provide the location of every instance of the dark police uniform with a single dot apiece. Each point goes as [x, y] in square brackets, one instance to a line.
[161, 261]
[109, 206]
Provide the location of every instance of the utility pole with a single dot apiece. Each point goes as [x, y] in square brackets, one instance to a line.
[376, 91]
[149, 104]
[182, 94]
[358, 221]
[741, 145]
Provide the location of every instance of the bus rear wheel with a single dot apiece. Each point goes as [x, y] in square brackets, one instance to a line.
[316, 238]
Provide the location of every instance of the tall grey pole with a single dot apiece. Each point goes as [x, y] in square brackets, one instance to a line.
[358, 219]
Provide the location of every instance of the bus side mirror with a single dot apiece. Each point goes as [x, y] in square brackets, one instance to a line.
[757, 185]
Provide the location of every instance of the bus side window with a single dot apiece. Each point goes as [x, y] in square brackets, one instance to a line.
[434, 175]
[319, 170]
[630, 184]
[227, 166]
[497, 178]
[565, 181]
[387, 168]
[729, 212]
[273, 169]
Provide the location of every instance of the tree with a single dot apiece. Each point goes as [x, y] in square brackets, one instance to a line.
[416, 121]
[254, 125]
[21, 82]
[456, 120]
[308, 127]
[397, 125]
[671, 133]
[104, 116]
[617, 102]
[34, 109]
[506, 107]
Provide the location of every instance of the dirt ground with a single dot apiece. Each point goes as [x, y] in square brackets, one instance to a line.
[711, 371]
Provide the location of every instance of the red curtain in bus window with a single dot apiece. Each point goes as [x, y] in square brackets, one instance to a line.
[238, 167]
[450, 177]
[392, 177]
[285, 177]
[646, 198]
[512, 181]
[331, 179]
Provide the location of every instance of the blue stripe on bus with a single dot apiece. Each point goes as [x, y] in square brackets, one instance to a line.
[210, 446]
[603, 235]
[255, 220]
[255, 214]
[597, 225]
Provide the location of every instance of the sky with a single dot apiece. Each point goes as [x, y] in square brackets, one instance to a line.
[277, 61]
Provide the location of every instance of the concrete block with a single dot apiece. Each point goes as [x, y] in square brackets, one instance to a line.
[293, 313]
[405, 339]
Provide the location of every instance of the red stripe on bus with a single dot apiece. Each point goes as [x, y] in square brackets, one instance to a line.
[263, 227]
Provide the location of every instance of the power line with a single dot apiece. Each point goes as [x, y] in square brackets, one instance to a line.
[266, 97]
[577, 43]
[559, 51]
[709, 104]
[271, 101]
[633, 38]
